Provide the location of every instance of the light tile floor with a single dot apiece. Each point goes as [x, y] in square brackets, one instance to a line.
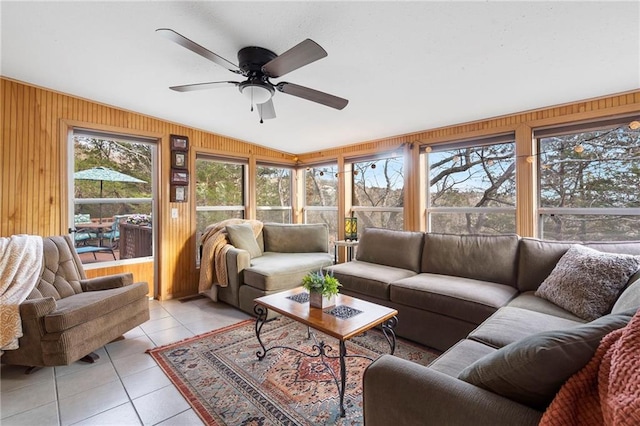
[125, 386]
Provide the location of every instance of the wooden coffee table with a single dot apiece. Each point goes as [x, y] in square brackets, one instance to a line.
[348, 318]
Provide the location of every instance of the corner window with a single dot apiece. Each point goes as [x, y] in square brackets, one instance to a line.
[273, 194]
[471, 186]
[378, 192]
[321, 197]
[588, 182]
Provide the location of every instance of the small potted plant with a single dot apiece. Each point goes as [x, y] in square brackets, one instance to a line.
[322, 288]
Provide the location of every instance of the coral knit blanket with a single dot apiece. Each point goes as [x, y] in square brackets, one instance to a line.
[20, 268]
[215, 245]
[607, 390]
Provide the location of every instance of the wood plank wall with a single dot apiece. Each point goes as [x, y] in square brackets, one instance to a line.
[33, 181]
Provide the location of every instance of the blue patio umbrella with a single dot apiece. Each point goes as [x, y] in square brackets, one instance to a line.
[104, 174]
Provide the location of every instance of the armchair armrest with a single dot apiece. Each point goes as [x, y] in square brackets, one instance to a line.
[37, 308]
[107, 282]
[396, 391]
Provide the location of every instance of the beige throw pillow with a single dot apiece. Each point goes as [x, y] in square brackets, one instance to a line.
[586, 282]
[241, 237]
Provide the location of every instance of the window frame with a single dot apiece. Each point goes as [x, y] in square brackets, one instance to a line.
[289, 208]
[81, 131]
[425, 150]
[570, 129]
[355, 208]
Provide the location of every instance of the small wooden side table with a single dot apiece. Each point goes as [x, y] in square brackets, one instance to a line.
[349, 244]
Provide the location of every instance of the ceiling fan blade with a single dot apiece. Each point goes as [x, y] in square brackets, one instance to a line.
[266, 111]
[196, 48]
[312, 95]
[203, 86]
[298, 56]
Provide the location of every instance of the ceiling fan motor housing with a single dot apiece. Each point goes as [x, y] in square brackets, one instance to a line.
[251, 60]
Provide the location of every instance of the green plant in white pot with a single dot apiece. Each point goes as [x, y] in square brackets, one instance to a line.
[322, 287]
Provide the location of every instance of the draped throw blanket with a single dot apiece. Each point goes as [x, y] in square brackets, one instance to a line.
[215, 245]
[607, 390]
[21, 262]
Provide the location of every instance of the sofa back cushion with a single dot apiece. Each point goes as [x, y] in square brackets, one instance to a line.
[62, 269]
[629, 299]
[298, 238]
[399, 249]
[241, 236]
[492, 258]
[539, 257]
[532, 370]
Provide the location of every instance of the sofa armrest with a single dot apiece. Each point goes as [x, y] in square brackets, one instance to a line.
[37, 308]
[396, 391]
[107, 282]
[237, 261]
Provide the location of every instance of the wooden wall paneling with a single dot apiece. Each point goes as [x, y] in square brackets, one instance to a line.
[32, 159]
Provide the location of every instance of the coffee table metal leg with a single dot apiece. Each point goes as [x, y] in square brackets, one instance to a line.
[343, 376]
[389, 333]
[261, 318]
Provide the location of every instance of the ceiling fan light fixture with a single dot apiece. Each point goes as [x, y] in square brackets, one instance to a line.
[256, 93]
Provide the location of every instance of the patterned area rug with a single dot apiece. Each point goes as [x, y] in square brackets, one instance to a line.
[219, 374]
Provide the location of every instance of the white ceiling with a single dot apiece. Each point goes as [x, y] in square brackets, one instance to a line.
[404, 66]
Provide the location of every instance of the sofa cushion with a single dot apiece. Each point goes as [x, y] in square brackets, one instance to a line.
[399, 249]
[492, 258]
[460, 356]
[530, 301]
[629, 299]
[538, 257]
[509, 324]
[283, 271]
[296, 238]
[587, 282]
[463, 298]
[241, 236]
[532, 370]
[83, 307]
[368, 278]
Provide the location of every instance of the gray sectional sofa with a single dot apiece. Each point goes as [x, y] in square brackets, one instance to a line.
[287, 253]
[474, 297]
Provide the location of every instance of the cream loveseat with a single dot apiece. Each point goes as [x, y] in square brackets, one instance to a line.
[285, 254]
[475, 297]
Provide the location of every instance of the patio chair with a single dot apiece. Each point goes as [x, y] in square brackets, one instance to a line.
[114, 235]
[82, 236]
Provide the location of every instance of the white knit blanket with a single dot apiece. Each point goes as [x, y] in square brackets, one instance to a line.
[21, 262]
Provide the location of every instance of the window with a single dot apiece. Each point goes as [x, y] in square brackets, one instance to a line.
[220, 190]
[321, 197]
[273, 194]
[471, 187]
[112, 187]
[588, 182]
[378, 192]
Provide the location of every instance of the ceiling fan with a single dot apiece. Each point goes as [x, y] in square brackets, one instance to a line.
[258, 65]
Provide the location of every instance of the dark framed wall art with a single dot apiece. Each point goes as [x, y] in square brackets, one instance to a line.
[179, 177]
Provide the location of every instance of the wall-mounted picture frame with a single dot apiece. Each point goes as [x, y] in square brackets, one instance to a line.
[179, 159]
[179, 177]
[179, 143]
[178, 194]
